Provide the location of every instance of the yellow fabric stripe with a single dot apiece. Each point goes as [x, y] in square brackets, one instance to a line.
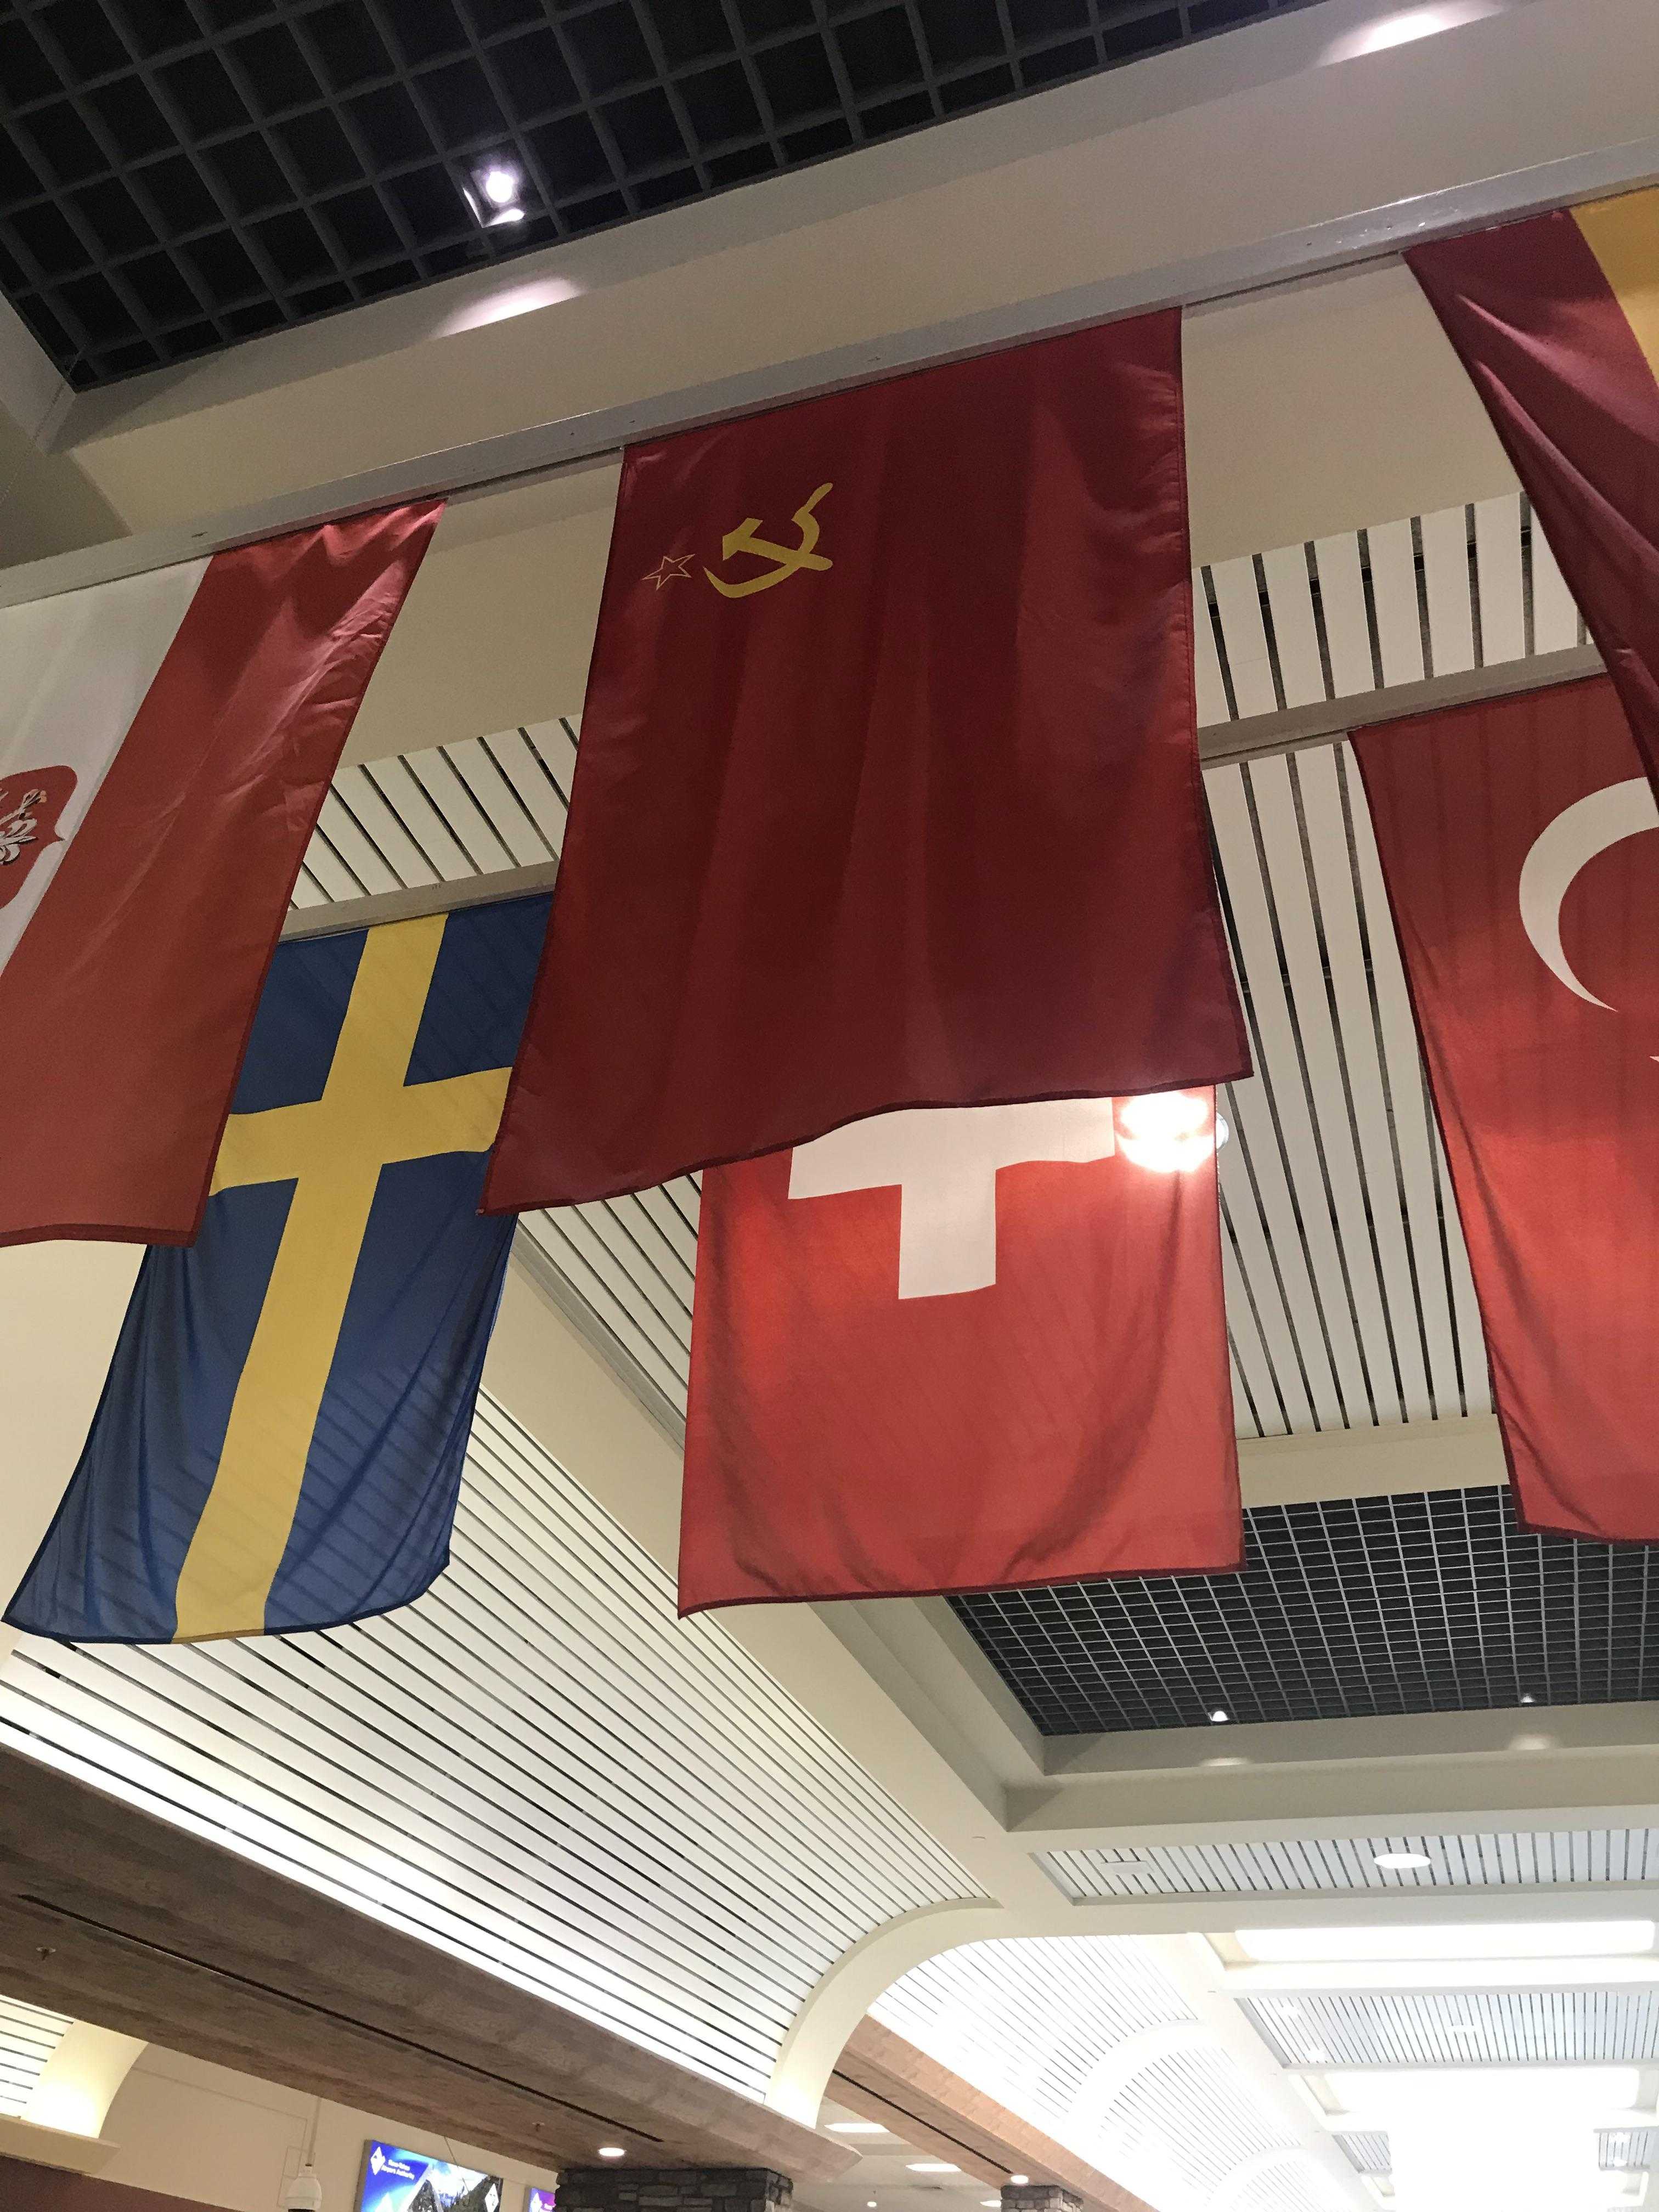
[333, 1148]
[1623, 234]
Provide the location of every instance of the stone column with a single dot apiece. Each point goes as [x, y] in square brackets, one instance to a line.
[628, 2188]
[1033, 2197]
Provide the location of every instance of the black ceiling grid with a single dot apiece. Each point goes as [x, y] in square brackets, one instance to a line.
[179, 174]
[1425, 1603]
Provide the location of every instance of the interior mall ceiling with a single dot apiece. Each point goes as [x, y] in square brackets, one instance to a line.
[1480, 1752]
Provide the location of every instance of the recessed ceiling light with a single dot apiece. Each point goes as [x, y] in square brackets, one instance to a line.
[494, 192]
[856, 2128]
[612, 2150]
[932, 2166]
[1399, 1862]
[1218, 1715]
[1528, 1698]
[1019, 2181]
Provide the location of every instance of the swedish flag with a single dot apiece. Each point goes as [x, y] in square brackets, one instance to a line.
[280, 1439]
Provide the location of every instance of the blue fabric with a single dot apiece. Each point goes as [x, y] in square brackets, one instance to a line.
[371, 1531]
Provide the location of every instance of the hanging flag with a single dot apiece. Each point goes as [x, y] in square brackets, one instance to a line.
[962, 1350]
[280, 1440]
[1556, 321]
[1525, 888]
[887, 792]
[166, 742]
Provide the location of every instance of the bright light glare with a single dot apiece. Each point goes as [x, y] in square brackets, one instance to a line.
[1399, 1862]
[1170, 1131]
[1401, 27]
[499, 186]
[932, 2166]
[1521, 2136]
[1571, 1939]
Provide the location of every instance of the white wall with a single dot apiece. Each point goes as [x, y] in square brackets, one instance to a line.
[187, 2128]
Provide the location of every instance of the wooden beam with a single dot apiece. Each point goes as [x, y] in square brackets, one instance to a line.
[122, 1919]
[882, 2077]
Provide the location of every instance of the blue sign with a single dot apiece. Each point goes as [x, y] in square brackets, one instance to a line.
[408, 2181]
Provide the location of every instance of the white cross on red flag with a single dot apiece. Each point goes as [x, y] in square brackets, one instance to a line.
[961, 1349]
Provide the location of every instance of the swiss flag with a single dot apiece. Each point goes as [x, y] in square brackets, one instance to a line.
[955, 1349]
[1517, 842]
[165, 741]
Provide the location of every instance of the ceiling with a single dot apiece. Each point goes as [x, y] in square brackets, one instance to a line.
[176, 175]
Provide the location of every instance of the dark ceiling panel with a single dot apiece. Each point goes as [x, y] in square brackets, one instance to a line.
[177, 174]
[1423, 1604]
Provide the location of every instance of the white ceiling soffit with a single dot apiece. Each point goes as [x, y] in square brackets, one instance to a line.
[1472, 2027]
[28, 2036]
[1349, 1299]
[535, 1767]
[1091, 2039]
[1316, 1865]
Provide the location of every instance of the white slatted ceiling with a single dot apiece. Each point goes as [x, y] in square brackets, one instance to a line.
[536, 1767]
[1324, 1865]
[28, 2036]
[1464, 2028]
[1349, 1299]
[1031, 2020]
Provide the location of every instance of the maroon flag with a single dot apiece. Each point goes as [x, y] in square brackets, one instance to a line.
[1515, 839]
[165, 741]
[947, 1351]
[887, 793]
[1554, 320]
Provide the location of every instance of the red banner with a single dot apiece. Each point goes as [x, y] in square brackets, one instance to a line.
[887, 792]
[1516, 840]
[958, 1350]
[166, 742]
[1554, 320]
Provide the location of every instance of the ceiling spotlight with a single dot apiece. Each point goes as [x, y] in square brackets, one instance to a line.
[1218, 1715]
[494, 192]
[932, 2166]
[1019, 2181]
[1399, 1862]
[612, 2150]
[1170, 1131]
[1528, 1698]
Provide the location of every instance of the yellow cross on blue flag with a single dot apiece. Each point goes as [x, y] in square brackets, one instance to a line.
[280, 1440]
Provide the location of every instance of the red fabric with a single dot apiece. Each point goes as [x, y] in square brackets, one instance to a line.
[1549, 1105]
[1574, 401]
[923, 827]
[1072, 1419]
[134, 984]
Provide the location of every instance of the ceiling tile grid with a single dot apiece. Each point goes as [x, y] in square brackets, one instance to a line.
[1329, 1866]
[1462, 2027]
[176, 175]
[536, 1767]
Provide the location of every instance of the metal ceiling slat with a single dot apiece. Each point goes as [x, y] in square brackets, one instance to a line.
[1296, 634]
[308, 891]
[396, 784]
[571, 1246]
[1244, 1217]
[363, 800]
[651, 1291]
[1337, 895]
[1403, 1069]
[486, 849]
[1282, 1146]
[1238, 603]
[1327, 1091]
[1556, 627]
[1393, 596]
[1498, 568]
[1342, 604]
[1471, 1337]
[524, 765]
[498, 802]
[328, 871]
[1446, 589]
[1210, 692]
[345, 835]
[1252, 1370]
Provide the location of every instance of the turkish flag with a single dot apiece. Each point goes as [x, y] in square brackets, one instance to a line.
[166, 742]
[887, 792]
[959, 1349]
[1515, 839]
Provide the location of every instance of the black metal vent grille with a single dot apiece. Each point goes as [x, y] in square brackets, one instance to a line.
[178, 174]
[1420, 1604]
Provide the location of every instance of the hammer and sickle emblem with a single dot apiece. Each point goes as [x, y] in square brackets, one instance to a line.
[786, 559]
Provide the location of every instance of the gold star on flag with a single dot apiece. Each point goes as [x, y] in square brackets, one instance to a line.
[670, 566]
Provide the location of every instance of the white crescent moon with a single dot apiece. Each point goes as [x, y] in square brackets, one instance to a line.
[1577, 834]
